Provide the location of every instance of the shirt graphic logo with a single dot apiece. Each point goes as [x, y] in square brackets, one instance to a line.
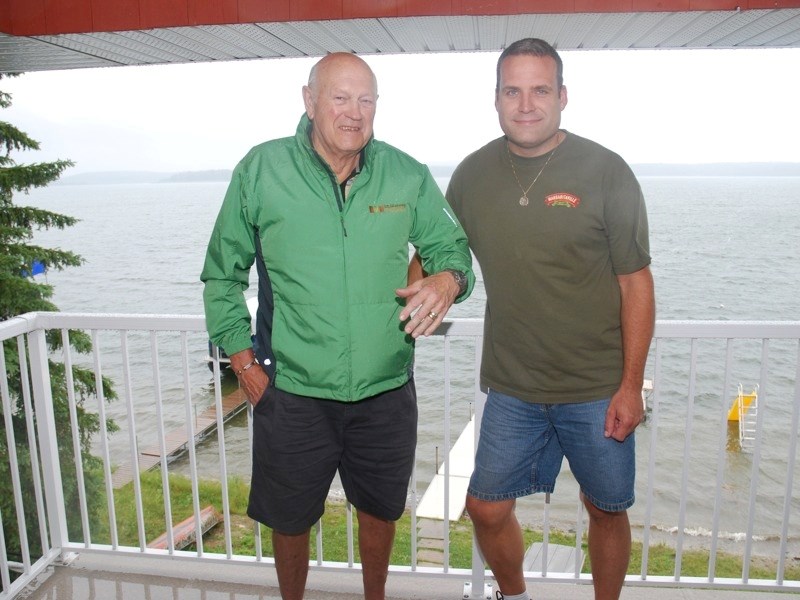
[562, 199]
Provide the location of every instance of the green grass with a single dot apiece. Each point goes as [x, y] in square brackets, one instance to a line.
[661, 558]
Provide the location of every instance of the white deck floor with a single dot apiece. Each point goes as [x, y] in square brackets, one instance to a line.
[92, 577]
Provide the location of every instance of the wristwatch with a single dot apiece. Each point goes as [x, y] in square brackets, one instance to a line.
[460, 278]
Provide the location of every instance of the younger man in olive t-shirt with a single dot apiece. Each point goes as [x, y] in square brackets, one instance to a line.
[559, 227]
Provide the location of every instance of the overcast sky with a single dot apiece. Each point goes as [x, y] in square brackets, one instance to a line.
[670, 106]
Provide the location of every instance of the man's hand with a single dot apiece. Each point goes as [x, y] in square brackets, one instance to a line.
[253, 380]
[625, 412]
[427, 303]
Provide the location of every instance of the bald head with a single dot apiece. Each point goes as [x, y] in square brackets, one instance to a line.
[332, 64]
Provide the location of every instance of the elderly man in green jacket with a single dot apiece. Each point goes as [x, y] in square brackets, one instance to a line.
[327, 217]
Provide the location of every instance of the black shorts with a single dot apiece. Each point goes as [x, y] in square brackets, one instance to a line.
[299, 443]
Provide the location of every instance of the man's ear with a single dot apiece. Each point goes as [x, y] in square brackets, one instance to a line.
[308, 101]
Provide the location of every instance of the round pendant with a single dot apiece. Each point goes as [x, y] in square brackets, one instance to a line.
[523, 201]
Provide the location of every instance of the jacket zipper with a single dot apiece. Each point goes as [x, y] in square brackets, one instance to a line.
[339, 200]
[340, 203]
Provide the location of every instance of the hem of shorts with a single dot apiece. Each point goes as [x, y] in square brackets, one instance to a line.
[265, 522]
[610, 506]
[527, 491]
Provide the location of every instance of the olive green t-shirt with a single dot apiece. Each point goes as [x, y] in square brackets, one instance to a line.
[552, 325]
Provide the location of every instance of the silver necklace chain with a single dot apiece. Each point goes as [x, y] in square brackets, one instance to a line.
[523, 200]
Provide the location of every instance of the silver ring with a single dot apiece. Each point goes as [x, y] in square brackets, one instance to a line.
[432, 315]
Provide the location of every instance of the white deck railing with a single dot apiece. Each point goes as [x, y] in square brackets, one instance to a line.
[695, 487]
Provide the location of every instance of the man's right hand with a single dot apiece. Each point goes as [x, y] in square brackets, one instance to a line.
[252, 379]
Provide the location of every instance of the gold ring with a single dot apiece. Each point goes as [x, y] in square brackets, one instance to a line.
[432, 315]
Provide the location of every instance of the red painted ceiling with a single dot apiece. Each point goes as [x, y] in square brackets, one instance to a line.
[52, 17]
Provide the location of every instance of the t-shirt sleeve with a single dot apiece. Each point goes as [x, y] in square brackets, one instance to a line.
[626, 220]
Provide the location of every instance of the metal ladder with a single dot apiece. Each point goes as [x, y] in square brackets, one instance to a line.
[748, 418]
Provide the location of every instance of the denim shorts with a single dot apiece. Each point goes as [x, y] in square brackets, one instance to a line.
[522, 446]
[299, 443]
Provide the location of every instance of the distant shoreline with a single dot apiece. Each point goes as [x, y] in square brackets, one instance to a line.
[718, 170]
[441, 170]
[128, 177]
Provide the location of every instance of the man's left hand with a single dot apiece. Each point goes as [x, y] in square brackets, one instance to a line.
[625, 412]
[427, 303]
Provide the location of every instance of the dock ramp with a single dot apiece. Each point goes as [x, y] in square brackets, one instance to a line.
[462, 460]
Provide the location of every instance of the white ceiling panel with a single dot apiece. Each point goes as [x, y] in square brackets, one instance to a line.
[733, 28]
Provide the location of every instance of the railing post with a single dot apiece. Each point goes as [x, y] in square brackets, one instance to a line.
[477, 588]
[48, 442]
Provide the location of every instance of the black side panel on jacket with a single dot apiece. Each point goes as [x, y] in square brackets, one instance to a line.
[266, 308]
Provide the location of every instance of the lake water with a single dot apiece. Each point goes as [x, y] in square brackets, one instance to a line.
[723, 249]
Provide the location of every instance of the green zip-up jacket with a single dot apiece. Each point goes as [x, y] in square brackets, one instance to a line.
[328, 319]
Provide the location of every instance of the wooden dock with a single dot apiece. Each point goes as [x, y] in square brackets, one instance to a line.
[177, 441]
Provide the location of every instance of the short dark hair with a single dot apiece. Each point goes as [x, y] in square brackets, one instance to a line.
[531, 47]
